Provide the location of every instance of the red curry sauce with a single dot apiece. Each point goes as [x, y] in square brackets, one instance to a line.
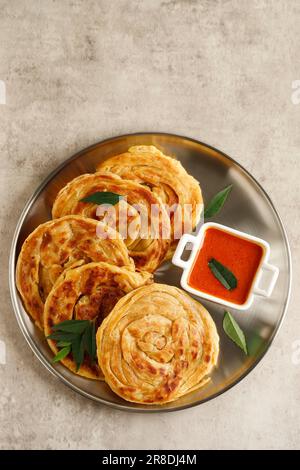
[241, 256]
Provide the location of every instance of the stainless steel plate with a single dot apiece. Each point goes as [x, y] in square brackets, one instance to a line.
[248, 209]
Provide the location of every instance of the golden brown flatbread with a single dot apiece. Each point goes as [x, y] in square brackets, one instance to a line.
[148, 246]
[88, 292]
[62, 244]
[157, 345]
[166, 178]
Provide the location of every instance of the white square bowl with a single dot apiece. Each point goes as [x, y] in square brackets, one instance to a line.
[196, 240]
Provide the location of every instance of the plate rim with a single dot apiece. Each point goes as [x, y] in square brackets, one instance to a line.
[36, 350]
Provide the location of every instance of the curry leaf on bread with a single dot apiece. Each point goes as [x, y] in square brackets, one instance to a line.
[77, 337]
[62, 353]
[71, 326]
[102, 197]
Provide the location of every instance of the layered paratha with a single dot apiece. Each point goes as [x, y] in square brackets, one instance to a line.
[147, 234]
[58, 245]
[167, 179]
[88, 292]
[157, 345]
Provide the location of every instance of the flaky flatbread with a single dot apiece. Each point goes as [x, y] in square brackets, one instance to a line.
[157, 345]
[62, 244]
[88, 292]
[166, 178]
[148, 246]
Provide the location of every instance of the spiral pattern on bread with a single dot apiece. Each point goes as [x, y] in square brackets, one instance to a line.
[157, 345]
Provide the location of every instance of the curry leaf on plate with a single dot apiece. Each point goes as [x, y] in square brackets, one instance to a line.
[234, 332]
[217, 202]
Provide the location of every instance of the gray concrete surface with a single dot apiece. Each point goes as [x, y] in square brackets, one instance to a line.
[79, 71]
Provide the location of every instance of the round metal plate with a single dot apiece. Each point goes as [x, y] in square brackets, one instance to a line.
[248, 209]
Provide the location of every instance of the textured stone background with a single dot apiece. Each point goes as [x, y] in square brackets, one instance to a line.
[79, 71]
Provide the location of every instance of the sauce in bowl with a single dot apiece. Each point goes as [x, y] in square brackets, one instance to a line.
[241, 256]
